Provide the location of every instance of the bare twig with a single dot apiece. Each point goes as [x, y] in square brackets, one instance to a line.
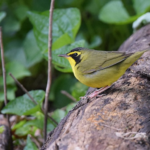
[25, 90]
[4, 82]
[69, 96]
[49, 67]
[4, 72]
[3, 66]
[35, 141]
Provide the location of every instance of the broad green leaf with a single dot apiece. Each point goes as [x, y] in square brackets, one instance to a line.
[25, 52]
[60, 63]
[68, 3]
[96, 41]
[23, 131]
[30, 145]
[141, 6]
[14, 51]
[17, 70]
[10, 92]
[21, 12]
[22, 104]
[2, 16]
[78, 90]
[58, 115]
[66, 23]
[31, 50]
[33, 110]
[19, 125]
[11, 24]
[115, 13]
[64, 82]
[39, 122]
[95, 5]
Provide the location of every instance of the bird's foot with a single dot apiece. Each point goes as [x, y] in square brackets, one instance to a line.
[95, 93]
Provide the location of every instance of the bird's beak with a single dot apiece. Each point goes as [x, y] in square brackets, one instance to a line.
[63, 55]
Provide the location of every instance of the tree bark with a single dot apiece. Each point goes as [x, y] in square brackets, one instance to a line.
[119, 120]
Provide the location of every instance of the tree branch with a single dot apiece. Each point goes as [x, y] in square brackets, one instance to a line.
[49, 67]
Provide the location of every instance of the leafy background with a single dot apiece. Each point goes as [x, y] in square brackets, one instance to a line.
[96, 24]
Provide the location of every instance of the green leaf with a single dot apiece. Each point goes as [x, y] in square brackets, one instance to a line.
[11, 89]
[114, 12]
[95, 5]
[31, 50]
[21, 12]
[66, 23]
[2, 16]
[58, 115]
[11, 24]
[64, 82]
[23, 131]
[33, 110]
[14, 51]
[141, 6]
[78, 90]
[17, 70]
[60, 63]
[25, 52]
[19, 125]
[23, 104]
[39, 122]
[96, 41]
[30, 145]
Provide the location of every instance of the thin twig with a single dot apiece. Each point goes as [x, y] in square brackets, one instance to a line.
[32, 99]
[35, 141]
[23, 88]
[68, 95]
[3, 66]
[4, 72]
[49, 67]
[4, 82]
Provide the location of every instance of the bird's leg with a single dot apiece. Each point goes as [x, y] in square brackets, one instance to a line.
[95, 93]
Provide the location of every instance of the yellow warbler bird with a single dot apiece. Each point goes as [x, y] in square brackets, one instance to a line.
[99, 69]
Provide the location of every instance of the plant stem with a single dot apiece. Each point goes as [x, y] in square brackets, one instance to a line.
[49, 68]
[4, 83]
[4, 72]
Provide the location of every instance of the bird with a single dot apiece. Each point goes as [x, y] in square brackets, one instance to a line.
[99, 69]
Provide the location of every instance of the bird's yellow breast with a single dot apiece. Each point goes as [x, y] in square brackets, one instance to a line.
[100, 78]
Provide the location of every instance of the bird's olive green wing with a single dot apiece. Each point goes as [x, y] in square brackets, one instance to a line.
[99, 60]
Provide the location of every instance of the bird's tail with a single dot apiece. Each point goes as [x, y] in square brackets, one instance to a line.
[134, 57]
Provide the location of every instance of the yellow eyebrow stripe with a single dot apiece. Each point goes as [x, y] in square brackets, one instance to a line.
[74, 52]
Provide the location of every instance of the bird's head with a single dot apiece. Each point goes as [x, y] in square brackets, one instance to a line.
[74, 56]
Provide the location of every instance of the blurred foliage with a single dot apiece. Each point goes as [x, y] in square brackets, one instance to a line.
[96, 24]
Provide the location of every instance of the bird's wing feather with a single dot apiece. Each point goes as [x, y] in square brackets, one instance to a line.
[97, 60]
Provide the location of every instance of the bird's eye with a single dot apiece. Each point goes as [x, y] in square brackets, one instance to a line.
[75, 54]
